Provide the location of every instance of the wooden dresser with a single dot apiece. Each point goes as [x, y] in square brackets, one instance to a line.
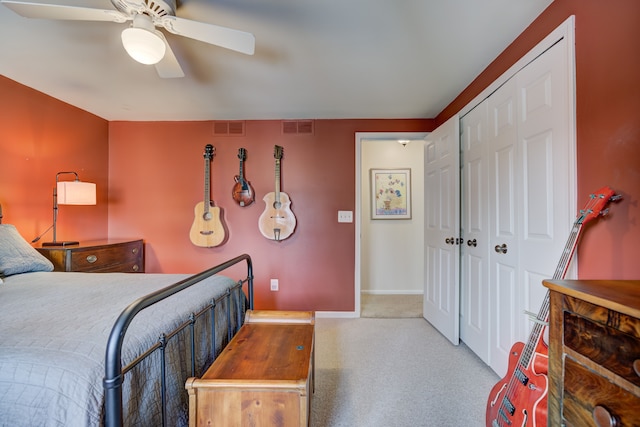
[100, 256]
[264, 377]
[594, 353]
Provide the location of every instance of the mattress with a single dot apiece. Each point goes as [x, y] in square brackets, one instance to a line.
[53, 332]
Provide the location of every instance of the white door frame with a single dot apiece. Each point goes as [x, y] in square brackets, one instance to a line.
[361, 136]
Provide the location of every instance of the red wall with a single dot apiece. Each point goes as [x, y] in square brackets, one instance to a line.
[40, 136]
[156, 177]
[608, 121]
[155, 170]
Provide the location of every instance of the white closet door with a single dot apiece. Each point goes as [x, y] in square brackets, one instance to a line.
[518, 195]
[474, 271]
[442, 229]
[532, 185]
[504, 202]
[547, 174]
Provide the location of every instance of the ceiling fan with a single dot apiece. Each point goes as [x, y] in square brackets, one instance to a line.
[142, 40]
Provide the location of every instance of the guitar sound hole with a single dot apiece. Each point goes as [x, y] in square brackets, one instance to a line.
[277, 205]
[207, 216]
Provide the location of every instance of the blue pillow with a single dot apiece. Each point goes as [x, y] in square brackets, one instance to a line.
[18, 256]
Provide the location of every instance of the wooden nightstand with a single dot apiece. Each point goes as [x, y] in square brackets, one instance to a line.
[100, 256]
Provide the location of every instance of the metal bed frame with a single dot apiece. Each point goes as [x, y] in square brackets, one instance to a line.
[114, 372]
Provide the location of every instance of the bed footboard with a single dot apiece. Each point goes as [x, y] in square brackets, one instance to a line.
[114, 371]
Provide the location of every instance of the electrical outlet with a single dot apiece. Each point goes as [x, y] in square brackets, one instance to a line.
[345, 216]
[274, 284]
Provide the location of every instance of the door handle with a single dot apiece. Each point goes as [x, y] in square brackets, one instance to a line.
[501, 248]
[473, 243]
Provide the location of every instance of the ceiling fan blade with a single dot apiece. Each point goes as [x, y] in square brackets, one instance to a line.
[168, 67]
[53, 11]
[228, 38]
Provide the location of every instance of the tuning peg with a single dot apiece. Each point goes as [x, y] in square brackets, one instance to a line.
[604, 212]
[615, 198]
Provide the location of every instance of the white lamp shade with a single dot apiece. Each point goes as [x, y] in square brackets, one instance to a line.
[143, 45]
[76, 193]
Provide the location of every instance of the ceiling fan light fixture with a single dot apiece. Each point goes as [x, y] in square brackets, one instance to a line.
[142, 42]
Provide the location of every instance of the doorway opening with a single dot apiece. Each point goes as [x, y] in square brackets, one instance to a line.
[389, 252]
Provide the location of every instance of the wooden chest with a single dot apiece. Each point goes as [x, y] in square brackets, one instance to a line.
[125, 256]
[264, 377]
[594, 353]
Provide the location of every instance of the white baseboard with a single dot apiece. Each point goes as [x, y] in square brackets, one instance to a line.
[337, 314]
[393, 292]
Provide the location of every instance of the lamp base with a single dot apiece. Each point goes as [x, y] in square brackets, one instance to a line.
[65, 243]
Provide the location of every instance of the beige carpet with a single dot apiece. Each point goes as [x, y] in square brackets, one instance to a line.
[390, 306]
[395, 373]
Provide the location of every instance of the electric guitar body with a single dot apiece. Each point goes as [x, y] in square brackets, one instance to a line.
[208, 229]
[528, 404]
[277, 222]
[520, 398]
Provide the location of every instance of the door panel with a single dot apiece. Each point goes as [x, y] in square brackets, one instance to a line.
[546, 152]
[504, 329]
[503, 247]
[442, 185]
[474, 274]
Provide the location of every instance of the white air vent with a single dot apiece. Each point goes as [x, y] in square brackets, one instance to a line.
[228, 128]
[297, 127]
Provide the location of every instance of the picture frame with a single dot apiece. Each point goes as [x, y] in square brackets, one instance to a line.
[390, 193]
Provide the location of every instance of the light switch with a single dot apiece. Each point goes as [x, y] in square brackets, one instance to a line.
[345, 216]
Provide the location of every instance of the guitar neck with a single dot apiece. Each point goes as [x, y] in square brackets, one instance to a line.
[567, 253]
[543, 315]
[278, 180]
[207, 192]
[241, 172]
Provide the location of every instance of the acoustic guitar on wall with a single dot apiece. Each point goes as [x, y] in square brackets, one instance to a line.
[207, 230]
[277, 222]
[520, 398]
[242, 192]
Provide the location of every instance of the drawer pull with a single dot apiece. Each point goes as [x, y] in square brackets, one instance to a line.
[135, 267]
[603, 418]
[134, 250]
[636, 366]
[91, 259]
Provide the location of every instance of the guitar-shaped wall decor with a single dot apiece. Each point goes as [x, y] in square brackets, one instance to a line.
[277, 222]
[207, 229]
[242, 192]
[520, 398]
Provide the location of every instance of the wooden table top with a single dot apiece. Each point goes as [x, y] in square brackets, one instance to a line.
[619, 295]
[266, 351]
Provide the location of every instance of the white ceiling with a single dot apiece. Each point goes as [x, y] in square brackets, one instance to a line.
[317, 59]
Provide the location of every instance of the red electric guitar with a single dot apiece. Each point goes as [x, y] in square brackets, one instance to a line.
[520, 398]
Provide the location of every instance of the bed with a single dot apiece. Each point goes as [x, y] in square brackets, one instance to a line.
[94, 349]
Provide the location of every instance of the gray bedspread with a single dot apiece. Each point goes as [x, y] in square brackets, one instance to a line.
[53, 333]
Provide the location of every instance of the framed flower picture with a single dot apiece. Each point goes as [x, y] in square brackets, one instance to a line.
[390, 193]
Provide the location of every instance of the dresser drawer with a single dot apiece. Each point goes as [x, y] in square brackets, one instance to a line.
[603, 344]
[126, 256]
[119, 257]
[584, 390]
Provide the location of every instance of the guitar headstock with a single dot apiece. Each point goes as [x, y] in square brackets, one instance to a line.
[209, 151]
[597, 203]
[242, 154]
[277, 152]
